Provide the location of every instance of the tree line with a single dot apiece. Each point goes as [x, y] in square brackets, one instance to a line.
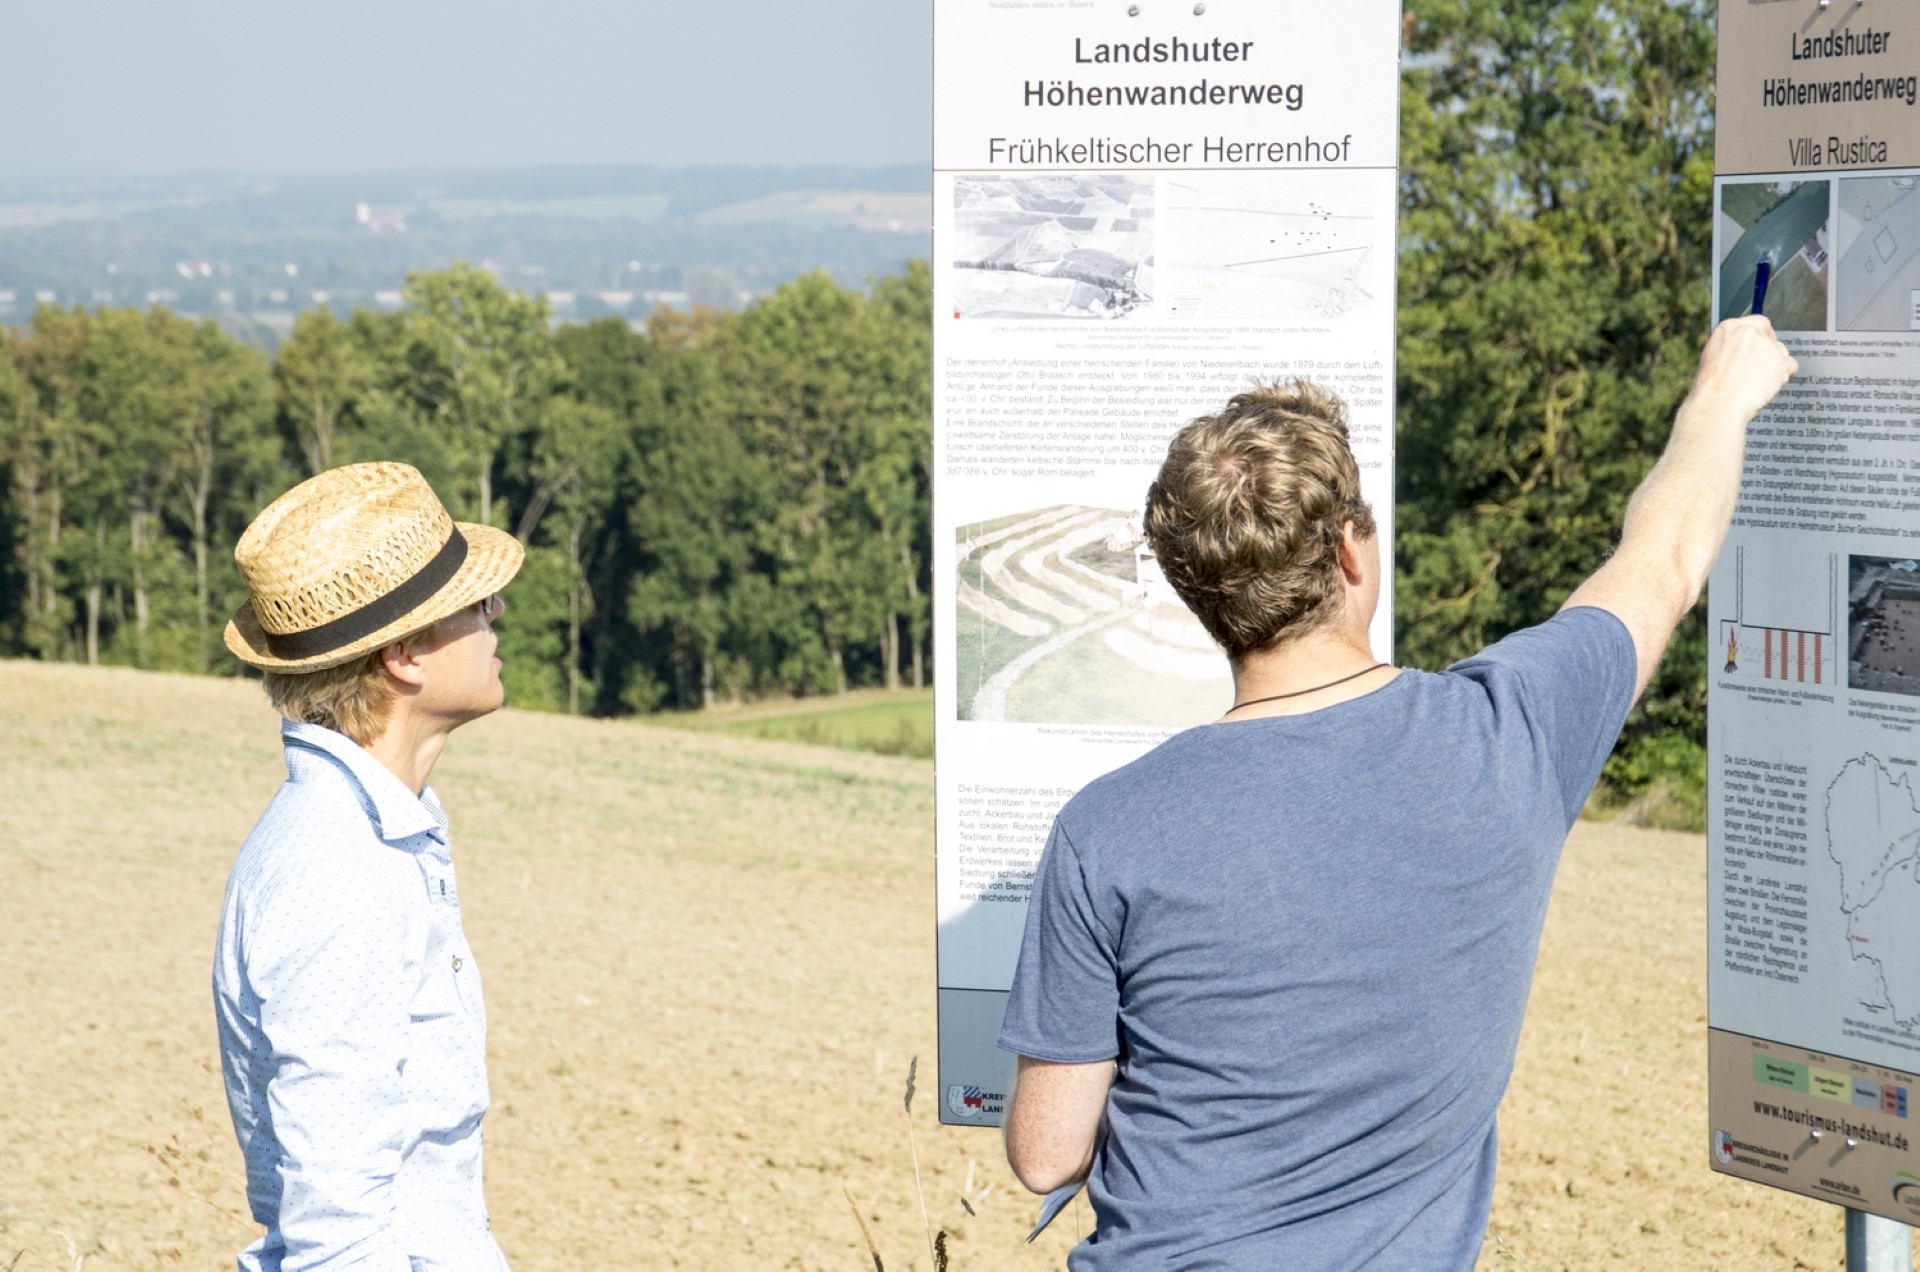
[737, 505]
[721, 505]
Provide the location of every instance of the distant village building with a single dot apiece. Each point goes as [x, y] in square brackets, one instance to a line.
[379, 222]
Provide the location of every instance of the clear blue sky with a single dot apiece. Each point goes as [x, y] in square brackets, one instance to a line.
[349, 85]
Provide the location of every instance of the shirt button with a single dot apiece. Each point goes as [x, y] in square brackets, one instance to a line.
[456, 962]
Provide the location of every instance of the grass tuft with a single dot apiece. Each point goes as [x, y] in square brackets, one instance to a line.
[864, 1234]
[913, 1067]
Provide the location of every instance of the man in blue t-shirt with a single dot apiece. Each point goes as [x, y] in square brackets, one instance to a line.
[1274, 971]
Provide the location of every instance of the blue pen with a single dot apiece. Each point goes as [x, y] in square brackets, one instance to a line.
[1761, 271]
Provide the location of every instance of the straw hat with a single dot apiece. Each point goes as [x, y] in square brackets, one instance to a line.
[353, 559]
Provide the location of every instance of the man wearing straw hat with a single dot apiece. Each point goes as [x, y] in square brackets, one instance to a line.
[352, 1032]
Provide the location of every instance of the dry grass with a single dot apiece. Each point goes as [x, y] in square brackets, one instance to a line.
[708, 961]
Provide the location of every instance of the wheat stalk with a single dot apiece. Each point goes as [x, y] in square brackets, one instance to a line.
[913, 1067]
[867, 1236]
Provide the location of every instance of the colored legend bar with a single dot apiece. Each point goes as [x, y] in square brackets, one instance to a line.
[1784, 1074]
[1829, 1085]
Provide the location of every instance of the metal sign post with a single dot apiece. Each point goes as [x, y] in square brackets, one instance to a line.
[1878, 1245]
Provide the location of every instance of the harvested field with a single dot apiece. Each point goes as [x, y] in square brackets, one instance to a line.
[708, 960]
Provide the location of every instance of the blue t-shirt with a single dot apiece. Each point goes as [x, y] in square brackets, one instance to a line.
[1307, 940]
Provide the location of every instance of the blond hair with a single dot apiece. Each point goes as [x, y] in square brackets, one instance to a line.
[355, 698]
[1247, 515]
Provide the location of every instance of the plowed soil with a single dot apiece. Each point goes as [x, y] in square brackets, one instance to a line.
[708, 962]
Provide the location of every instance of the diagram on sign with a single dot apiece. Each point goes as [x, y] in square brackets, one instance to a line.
[1268, 245]
[1883, 624]
[1782, 625]
[1877, 283]
[1068, 246]
[1783, 226]
[1873, 839]
[1064, 617]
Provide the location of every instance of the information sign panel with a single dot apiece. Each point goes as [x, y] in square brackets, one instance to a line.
[1814, 605]
[1137, 209]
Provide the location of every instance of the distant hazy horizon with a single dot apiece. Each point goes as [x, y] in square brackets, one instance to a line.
[123, 89]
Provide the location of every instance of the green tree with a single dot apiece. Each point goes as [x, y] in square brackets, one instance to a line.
[1555, 182]
[46, 457]
[222, 409]
[319, 374]
[480, 361]
[576, 458]
[896, 480]
[15, 566]
[701, 507]
[806, 385]
[130, 455]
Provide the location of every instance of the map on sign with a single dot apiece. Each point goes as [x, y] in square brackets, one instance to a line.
[1873, 837]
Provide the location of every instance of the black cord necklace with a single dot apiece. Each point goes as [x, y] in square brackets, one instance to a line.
[1301, 693]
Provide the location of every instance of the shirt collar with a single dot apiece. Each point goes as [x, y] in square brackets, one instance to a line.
[397, 811]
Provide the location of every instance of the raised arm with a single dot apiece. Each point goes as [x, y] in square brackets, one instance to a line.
[1679, 516]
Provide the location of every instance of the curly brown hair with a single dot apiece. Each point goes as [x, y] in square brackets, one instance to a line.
[1248, 511]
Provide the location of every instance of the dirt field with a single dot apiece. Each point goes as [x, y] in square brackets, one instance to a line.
[708, 961]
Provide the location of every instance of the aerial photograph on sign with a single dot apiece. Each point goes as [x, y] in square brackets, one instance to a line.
[1883, 624]
[1064, 618]
[1074, 245]
[1781, 226]
[1877, 237]
[1239, 245]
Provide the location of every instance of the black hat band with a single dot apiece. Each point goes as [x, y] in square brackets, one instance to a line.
[377, 613]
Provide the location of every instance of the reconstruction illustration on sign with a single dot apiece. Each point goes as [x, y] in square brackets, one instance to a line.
[1241, 245]
[1064, 618]
[1121, 244]
[1877, 286]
